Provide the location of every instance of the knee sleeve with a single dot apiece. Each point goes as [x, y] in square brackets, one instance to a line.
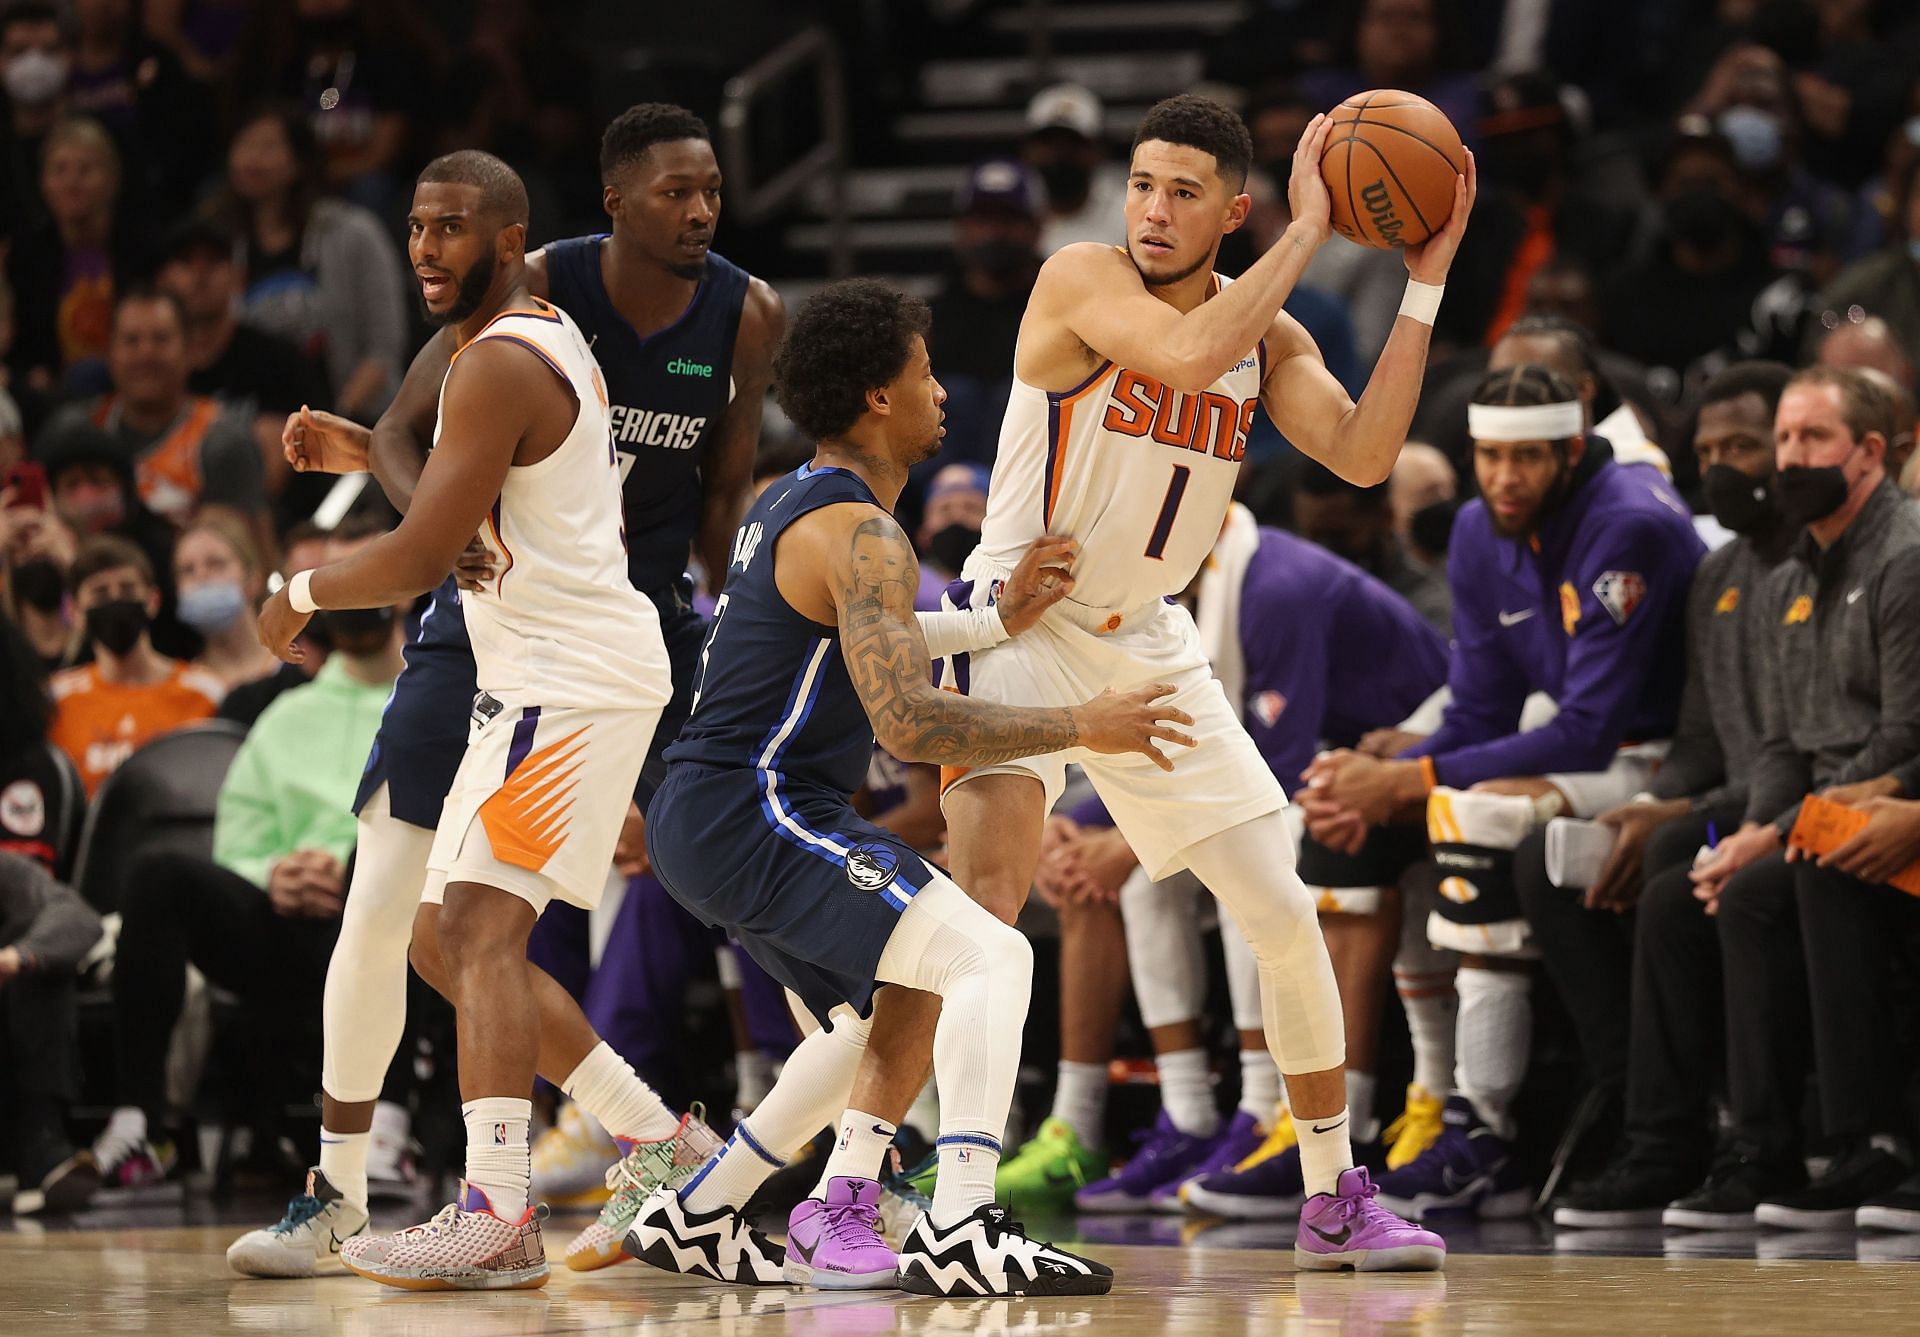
[1474, 836]
[815, 1084]
[1495, 1033]
[1163, 947]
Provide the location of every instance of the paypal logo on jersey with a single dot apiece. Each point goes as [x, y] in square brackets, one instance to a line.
[642, 427]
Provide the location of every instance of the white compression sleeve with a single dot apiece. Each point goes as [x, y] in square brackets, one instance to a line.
[1164, 951]
[961, 631]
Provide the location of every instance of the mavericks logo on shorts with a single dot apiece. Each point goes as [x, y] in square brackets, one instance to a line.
[871, 867]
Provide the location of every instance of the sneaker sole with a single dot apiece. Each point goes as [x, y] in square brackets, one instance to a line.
[1243, 1207]
[519, 1279]
[824, 1279]
[1623, 1218]
[1782, 1217]
[1409, 1258]
[595, 1257]
[275, 1264]
[1690, 1218]
[914, 1279]
[1905, 1220]
[662, 1255]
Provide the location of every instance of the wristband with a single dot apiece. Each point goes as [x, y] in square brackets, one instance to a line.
[962, 631]
[1422, 301]
[299, 595]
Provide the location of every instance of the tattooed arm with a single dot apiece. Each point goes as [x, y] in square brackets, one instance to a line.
[869, 578]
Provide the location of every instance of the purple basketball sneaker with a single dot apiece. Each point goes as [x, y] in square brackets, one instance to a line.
[836, 1244]
[1235, 1141]
[1348, 1229]
[1167, 1156]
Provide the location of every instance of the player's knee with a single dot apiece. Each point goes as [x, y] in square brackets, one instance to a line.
[1278, 919]
[1009, 959]
[423, 954]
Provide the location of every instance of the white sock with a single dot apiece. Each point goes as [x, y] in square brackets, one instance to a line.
[1432, 1009]
[499, 1163]
[1360, 1088]
[1259, 1083]
[1186, 1092]
[343, 1160]
[1496, 1030]
[1326, 1148]
[1080, 1100]
[605, 1086]
[736, 1170]
[967, 1165]
[864, 1139]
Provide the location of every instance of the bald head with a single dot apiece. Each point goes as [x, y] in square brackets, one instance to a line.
[1869, 344]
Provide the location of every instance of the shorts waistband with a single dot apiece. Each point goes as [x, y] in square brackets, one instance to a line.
[1105, 621]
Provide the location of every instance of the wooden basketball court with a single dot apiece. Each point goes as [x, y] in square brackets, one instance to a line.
[174, 1280]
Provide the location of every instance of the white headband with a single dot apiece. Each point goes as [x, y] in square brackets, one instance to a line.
[1525, 422]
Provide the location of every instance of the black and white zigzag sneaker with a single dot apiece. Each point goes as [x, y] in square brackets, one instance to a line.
[990, 1254]
[719, 1245]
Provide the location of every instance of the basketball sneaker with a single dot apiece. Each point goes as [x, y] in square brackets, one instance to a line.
[1237, 1139]
[1831, 1201]
[1897, 1209]
[1469, 1169]
[836, 1245]
[1166, 1156]
[901, 1204]
[1045, 1172]
[307, 1240]
[646, 1166]
[1418, 1127]
[124, 1167]
[719, 1245]
[570, 1160]
[465, 1247]
[989, 1253]
[1264, 1186]
[1738, 1182]
[1627, 1193]
[1348, 1228]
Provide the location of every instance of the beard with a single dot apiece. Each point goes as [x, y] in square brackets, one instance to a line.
[472, 291]
[1167, 280]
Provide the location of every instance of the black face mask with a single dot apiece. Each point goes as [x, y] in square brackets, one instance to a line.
[1739, 501]
[1808, 494]
[999, 259]
[358, 631]
[1431, 526]
[953, 545]
[1702, 217]
[39, 585]
[1067, 181]
[118, 624]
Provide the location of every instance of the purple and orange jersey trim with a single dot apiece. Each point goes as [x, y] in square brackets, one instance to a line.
[1060, 408]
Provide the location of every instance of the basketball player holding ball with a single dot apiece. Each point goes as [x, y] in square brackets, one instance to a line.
[1135, 380]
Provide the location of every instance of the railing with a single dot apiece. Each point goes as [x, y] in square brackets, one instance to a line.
[812, 49]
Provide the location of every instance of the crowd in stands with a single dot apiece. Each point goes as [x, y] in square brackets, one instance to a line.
[1699, 222]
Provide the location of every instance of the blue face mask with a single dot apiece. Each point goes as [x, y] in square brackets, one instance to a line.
[212, 608]
[1756, 137]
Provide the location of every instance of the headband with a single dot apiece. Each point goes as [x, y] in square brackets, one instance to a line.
[1525, 422]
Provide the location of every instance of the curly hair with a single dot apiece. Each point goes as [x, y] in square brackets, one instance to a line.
[639, 128]
[846, 339]
[1201, 123]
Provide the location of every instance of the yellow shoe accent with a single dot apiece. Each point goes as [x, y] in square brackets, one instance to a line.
[1282, 1138]
[1417, 1128]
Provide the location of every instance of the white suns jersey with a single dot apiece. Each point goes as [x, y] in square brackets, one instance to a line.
[560, 624]
[1139, 473]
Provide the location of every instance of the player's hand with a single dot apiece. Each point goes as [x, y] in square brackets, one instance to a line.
[630, 851]
[1134, 722]
[1367, 787]
[1387, 743]
[1748, 845]
[1860, 792]
[474, 568]
[1889, 842]
[1632, 824]
[1307, 197]
[302, 883]
[280, 625]
[1106, 861]
[1043, 578]
[1058, 871]
[316, 441]
[1429, 261]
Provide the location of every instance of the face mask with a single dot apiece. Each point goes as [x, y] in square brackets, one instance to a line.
[1756, 137]
[117, 625]
[953, 545]
[34, 78]
[1738, 500]
[1431, 526]
[98, 513]
[1067, 182]
[999, 259]
[1811, 493]
[39, 584]
[359, 631]
[212, 608]
[1701, 216]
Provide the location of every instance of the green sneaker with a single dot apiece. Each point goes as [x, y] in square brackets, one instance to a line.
[670, 1161]
[1048, 1169]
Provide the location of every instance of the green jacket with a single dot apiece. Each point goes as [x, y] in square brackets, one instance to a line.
[292, 783]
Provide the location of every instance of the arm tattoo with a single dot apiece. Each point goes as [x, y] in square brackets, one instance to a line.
[886, 658]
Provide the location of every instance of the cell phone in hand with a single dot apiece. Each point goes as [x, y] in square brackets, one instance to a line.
[28, 482]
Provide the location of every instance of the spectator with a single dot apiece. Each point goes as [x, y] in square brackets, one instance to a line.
[130, 693]
[259, 918]
[36, 548]
[218, 584]
[1357, 523]
[138, 91]
[1422, 492]
[45, 931]
[185, 451]
[978, 309]
[306, 548]
[34, 64]
[38, 807]
[201, 34]
[949, 528]
[1887, 283]
[1086, 194]
[66, 272]
[1550, 341]
[322, 273]
[1406, 44]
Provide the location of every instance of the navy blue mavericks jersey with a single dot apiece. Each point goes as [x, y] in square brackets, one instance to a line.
[772, 693]
[667, 394]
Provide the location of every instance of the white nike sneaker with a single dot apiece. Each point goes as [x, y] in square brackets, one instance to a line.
[718, 1245]
[989, 1254]
[305, 1241]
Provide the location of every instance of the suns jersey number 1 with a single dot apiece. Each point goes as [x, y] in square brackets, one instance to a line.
[1140, 473]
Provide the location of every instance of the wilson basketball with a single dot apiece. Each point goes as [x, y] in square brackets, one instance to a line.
[1390, 164]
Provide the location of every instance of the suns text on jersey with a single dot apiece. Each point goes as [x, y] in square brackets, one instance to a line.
[1142, 406]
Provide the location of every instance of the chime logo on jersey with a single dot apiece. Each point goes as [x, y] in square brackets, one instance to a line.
[1620, 592]
[871, 867]
[643, 427]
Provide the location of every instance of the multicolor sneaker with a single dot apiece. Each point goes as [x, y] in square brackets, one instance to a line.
[124, 1167]
[1166, 1156]
[1348, 1228]
[1238, 1139]
[570, 1160]
[901, 1204]
[1046, 1171]
[836, 1245]
[646, 1166]
[1469, 1169]
[1265, 1186]
[719, 1245]
[1418, 1127]
[465, 1247]
[989, 1253]
[307, 1240]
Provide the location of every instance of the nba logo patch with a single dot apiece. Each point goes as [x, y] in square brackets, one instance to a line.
[1267, 707]
[1620, 592]
[500, 1135]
